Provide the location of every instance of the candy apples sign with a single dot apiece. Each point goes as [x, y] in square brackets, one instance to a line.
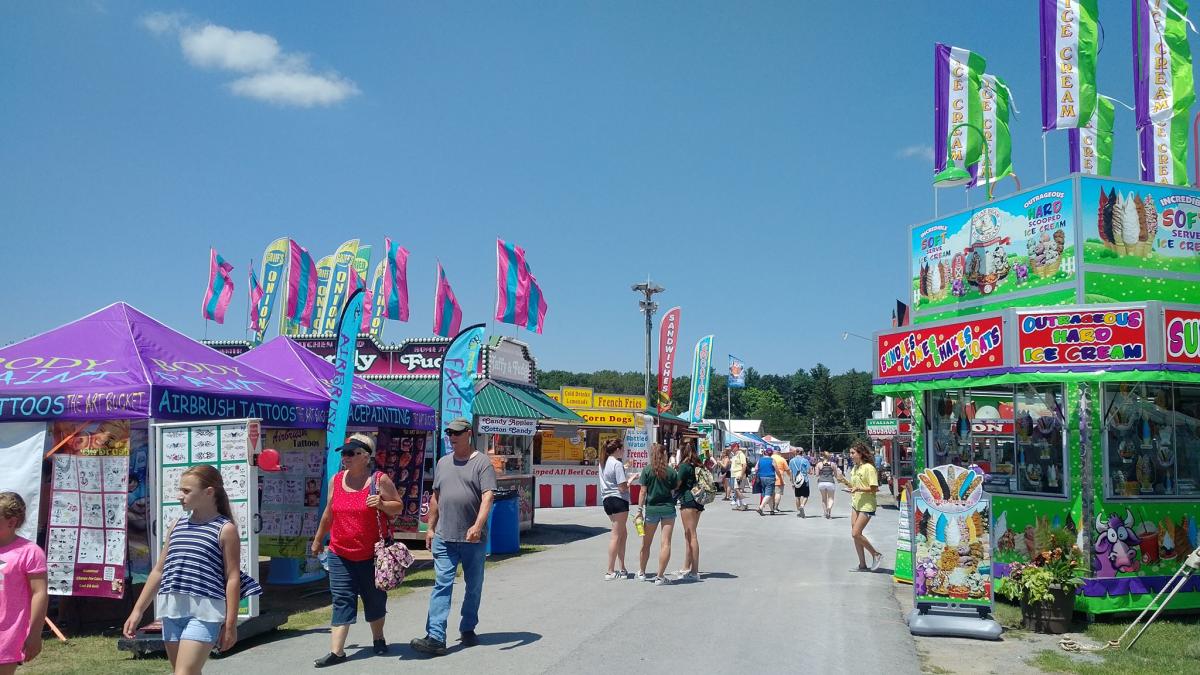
[965, 346]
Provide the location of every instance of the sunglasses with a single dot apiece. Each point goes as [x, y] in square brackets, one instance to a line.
[456, 433]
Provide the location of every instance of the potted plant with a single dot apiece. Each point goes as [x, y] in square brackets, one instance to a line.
[1046, 587]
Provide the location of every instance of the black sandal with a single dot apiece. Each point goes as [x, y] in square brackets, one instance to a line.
[330, 659]
[380, 647]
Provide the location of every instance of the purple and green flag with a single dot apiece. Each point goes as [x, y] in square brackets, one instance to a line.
[995, 99]
[1092, 144]
[1070, 42]
[1163, 91]
[956, 100]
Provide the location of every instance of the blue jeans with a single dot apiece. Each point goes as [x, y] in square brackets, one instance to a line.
[447, 556]
[350, 580]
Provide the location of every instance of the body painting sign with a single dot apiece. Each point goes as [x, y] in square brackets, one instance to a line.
[1181, 330]
[1093, 337]
[956, 347]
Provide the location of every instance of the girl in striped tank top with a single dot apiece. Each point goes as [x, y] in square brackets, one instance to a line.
[197, 582]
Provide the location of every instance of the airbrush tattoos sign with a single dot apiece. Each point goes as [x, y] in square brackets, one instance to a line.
[938, 350]
[1095, 337]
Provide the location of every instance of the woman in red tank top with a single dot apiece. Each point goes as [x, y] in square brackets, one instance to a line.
[352, 520]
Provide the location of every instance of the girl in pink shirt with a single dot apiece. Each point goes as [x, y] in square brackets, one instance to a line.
[23, 591]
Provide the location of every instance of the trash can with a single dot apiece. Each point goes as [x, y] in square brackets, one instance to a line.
[504, 533]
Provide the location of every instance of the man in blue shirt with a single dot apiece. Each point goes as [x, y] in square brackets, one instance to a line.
[766, 482]
[800, 466]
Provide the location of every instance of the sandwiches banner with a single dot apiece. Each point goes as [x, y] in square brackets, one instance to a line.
[668, 346]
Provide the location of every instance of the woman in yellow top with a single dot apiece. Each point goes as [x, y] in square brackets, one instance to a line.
[862, 486]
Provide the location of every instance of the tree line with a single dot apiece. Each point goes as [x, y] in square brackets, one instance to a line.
[796, 407]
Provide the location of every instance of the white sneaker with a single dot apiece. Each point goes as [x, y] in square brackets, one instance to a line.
[876, 561]
[609, 576]
[641, 576]
[662, 581]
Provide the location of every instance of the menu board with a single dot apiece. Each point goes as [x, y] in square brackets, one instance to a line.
[228, 446]
[289, 499]
[400, 453]
[85, 542]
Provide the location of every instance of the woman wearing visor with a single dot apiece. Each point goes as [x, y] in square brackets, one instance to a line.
[351, 523]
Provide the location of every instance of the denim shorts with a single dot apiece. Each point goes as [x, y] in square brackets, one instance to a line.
[654, 520]
[350, 580]
[190, 628]
[768, 486]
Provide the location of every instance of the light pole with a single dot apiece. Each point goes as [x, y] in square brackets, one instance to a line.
[649, 307]
[956, 175]
[847, 334]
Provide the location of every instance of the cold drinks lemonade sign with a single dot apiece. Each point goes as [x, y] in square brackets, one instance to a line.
[1091, 338]
[964, 346]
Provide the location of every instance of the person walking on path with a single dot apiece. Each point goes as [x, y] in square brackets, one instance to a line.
[351, 520]
[464, 485]
[828, 476]
[800, 468]
[197, 583]
[737, 475]
[24, 594]
[766, 482]
[689, 512]
[725, 468]
[656, 505]
[614, 493]
[783, 476]
[862, 485]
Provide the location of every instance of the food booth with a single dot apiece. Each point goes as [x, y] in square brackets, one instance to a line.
[1055, 347]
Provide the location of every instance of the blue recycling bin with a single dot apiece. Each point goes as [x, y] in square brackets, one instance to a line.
[504, 523]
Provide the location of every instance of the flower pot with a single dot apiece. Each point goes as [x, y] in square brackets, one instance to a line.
[1049, 616]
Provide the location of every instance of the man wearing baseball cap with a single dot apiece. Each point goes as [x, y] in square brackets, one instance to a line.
[464, 483]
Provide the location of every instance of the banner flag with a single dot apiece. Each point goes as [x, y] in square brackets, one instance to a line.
[339, 278]
[737, 373]
[701, 366]
[1164, 91]
[256, 296]
[1092, 144]
[457, 382]
[1163, 148]
[340, 387]
[668, 347]
[513, 281]
[447, 315]
[302, 285]
[995, 102]
[274, 268]
[956, 74]
[356, 282]
[219, 291]
[537, 306]
[362, 265]
[379, 304]
[394, 301]
[324, 271]
[1070, 42]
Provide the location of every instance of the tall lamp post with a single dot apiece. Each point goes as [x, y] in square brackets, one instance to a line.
[649, 289]
[956, 175]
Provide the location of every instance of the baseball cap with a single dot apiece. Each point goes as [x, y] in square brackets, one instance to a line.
[458, 424]
[357, 442]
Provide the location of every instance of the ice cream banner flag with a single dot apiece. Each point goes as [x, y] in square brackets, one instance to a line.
[737, 372]
[338, 284]
[447, 315]
[537, 306]
[219, 291]
[1069, 39]
[995, 99]
[701, 366]
[512, 284]
[1163, 151]
[1091, 144]
[341, 386]
[324, 270]
[302, 285]
[457, 381]
[273, 269]
[956, 74]
[256, 296]
[1164, 91]
[378, 306]
[394, 300]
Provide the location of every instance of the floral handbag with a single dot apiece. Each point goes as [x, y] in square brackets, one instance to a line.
[392, 557]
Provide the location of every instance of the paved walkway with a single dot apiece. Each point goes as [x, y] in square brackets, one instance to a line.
[778, 597]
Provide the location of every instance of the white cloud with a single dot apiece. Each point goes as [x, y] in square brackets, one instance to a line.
[268, 72]
[924, 152]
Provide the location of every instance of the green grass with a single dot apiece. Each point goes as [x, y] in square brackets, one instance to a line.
[1168, 646]
[1097, 253]
[1131, 287]
[95, 654]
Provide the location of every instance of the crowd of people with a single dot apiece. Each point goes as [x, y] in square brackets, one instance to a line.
[669, 491]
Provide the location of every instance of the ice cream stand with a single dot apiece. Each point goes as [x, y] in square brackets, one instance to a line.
[1069, 373]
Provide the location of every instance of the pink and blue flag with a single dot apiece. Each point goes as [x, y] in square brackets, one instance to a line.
[220, 288]
[356, 282]
[395, 282]
[447, 315]
[537, 307]
[512, 284]
[256, 296]
[302, 286]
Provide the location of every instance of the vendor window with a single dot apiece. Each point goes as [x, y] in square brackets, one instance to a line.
[1151, 439]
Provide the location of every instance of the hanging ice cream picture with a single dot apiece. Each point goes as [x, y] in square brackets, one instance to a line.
[952, 537]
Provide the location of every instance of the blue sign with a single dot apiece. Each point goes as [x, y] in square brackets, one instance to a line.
[459, 366]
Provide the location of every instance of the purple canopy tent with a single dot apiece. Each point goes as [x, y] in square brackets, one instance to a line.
[118, 363]
[373, 405]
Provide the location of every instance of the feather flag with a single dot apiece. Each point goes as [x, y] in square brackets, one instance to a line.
[274, 268]
[1070, 42]
[536, 320]
[447, 315]
[377, 303]
[1164, 91]
[220, 288]
[324, 272]
[356, 282]
[395, 282]
[256, 297]
[302, 285]
[956, 74]
[339, 277]
[995, 102]
[512, 284]
[1092, 144]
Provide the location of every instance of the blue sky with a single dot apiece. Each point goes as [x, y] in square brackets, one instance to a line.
[761, 160]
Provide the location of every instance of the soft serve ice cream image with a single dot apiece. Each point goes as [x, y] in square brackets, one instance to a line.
[1127, 224]
[933, 282]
